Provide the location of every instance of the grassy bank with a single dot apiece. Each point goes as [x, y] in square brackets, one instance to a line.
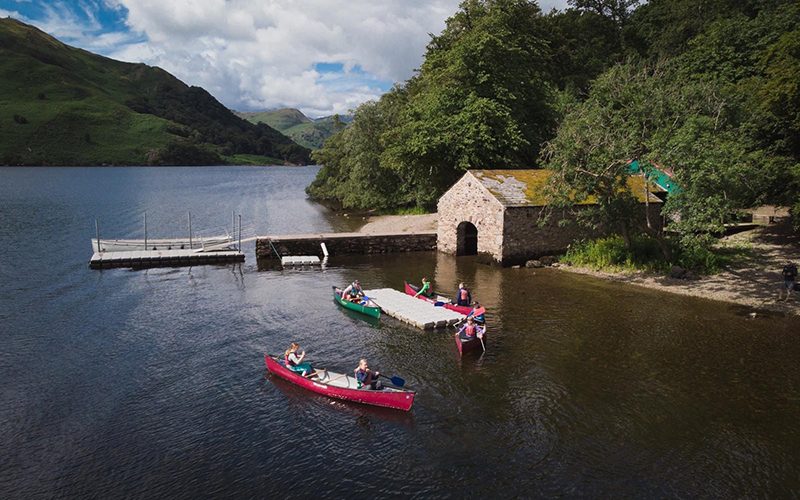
[612, 255]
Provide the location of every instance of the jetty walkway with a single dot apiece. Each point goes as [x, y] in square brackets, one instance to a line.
[411, 310]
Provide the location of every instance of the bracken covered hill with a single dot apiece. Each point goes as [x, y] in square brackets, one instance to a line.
[60, 105]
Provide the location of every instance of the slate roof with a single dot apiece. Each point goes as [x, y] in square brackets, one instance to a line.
[526, 187]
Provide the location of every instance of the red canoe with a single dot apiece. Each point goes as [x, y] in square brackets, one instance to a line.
[339, 386]
[465, 346]
[412, 290]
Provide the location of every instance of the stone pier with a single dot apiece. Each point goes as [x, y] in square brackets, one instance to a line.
[342, 244]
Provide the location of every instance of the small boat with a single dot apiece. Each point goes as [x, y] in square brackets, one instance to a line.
[466, 345]
[440, 300]
[370, 310]
[342, 386]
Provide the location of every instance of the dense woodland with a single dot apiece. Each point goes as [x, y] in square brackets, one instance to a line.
[708, 89]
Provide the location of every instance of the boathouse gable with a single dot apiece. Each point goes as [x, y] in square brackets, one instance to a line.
[509, 209]
[469, 202]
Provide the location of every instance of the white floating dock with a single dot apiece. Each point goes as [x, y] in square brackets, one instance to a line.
[411, 310]
[300, 260]
[159, 258]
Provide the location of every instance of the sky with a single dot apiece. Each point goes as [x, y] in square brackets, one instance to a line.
[320, 56]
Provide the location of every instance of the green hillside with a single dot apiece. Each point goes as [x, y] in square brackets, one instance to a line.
[60, 105]
[298, 127]
[279, 119]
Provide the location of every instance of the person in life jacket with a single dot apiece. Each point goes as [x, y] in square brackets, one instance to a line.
[789, 276]
[366, 378]
[470, 330]
[477, 312]
[463, 297]
[425, 289]
[353, 292]
[293, 359]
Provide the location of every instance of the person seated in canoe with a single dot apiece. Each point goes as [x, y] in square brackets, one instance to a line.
[477, 312]
[425, 289]
[353, 292]
[471, 329]
[293, 359]
[463, 297]
[366, 377]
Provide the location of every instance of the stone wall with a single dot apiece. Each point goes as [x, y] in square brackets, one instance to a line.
[469, 201]
[344, 244]
[525, 239]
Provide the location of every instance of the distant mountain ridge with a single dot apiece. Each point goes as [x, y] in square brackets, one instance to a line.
[61, 105]
[307, 132]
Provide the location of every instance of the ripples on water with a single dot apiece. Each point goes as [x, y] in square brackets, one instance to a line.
[152, 383]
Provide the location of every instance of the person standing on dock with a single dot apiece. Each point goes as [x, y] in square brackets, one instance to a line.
[789, 277]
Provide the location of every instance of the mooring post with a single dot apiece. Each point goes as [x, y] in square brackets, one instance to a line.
[97, 233]
[189, 214]
[240, 232]
[145, 230]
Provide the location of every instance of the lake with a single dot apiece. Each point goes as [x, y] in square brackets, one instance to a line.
[151, 383]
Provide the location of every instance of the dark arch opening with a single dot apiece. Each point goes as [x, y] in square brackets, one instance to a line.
[467, 239]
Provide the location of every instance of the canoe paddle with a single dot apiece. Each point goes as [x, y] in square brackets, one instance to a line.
[399, 382]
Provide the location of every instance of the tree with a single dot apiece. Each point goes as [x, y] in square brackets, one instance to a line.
[635, 111]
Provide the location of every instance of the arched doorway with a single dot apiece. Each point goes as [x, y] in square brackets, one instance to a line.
[466, 239]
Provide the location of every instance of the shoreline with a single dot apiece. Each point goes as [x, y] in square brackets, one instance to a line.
[753, 281]
[719, 287]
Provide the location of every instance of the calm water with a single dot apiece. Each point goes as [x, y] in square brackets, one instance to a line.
[151, 384]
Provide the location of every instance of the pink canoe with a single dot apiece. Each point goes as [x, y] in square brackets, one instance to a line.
[341, 386]
[465, 346]
[412, 290]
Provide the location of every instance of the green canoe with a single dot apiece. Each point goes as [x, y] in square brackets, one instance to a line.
[373, 310]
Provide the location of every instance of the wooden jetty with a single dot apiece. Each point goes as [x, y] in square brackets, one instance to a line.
[162, 258]
[411, 310]
[170, 252]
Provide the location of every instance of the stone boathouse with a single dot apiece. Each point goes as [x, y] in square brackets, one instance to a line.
[498, 214]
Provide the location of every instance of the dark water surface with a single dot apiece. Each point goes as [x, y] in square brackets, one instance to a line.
[151, 384]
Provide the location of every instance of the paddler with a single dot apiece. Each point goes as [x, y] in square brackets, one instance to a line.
[425, 289]
[353, 292]
[366, 377]
[477, 312]
[293, 359]
[463, 297]
[470, 330]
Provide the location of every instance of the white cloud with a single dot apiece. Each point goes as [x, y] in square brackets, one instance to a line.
[261, 54]
[256, 54]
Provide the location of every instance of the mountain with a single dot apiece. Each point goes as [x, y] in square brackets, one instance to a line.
[279, 119]
[297, 126]
[60, 105]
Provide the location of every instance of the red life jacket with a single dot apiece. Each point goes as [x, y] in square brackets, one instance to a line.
[464, 294]
[470, 330]
[287, 361]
